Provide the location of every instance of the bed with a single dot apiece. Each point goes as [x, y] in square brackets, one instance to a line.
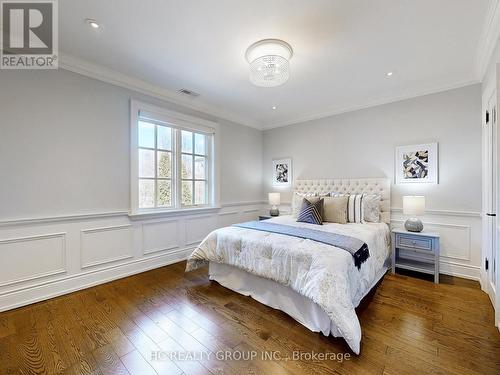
[315, 283]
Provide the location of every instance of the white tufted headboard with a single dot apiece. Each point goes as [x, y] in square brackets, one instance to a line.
[380, 186]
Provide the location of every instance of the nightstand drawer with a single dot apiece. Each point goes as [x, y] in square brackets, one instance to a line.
[414, 242]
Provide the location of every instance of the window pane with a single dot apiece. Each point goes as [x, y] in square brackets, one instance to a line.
[200, 192]
[164, 164]
[146, 163]
[187, 193]
[164, 138]
[200, 144]
[187, 141]
[164, 193]
[187, 166]
[146, 193]
[146, 134]
[199, 167]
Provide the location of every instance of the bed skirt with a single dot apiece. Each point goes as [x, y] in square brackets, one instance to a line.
[277, 296]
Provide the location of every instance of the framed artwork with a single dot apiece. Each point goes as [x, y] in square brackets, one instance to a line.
[417, 164]
[282, 172]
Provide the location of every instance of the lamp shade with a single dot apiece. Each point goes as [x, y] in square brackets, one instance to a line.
[413, 205]
[274, 199]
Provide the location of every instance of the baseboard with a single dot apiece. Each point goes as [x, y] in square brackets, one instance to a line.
[482, 281]
[460, 270]
[86, 280]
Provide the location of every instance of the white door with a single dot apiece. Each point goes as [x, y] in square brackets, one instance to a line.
[490, 193]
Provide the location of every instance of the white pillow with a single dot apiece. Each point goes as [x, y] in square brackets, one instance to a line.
[368, 211]
[371, 208]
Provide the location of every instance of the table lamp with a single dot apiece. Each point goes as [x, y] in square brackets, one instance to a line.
[274, 201]
[413, 206]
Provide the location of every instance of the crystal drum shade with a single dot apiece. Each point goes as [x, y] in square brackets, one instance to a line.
[269, 62]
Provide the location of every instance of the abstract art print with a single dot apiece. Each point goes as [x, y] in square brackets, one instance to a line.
[282, 172]
[417, 164]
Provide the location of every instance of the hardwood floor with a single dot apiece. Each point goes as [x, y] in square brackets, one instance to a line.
[410, 326]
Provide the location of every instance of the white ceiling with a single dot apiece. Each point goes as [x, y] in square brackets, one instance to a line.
[342, 50]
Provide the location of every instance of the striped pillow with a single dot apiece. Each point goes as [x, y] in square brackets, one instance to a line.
[355, 209]
[311, 213]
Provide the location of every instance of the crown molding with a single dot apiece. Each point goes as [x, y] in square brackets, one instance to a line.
[489, 39]
[101, 73]
[369, 105]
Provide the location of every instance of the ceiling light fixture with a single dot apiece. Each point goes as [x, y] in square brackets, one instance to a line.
[92, 23]
[273, 107]
[389, 74]
[269, 62]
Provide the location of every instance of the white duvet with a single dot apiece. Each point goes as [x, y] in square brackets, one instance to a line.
[323, 273]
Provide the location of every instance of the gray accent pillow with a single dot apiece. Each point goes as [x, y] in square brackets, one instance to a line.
[335, 209]
[311, 213]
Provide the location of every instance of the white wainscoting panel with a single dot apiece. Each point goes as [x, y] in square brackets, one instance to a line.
[160, 236]
[226, 219]
[197, 227]
[104, 245]
[25, 259]
[250, 214]
[42, 258]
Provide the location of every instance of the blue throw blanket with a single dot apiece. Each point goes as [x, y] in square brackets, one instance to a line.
[357, 248]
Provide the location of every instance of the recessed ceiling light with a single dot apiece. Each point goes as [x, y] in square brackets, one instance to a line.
[92, 23]
[273, 107]
[389, 74]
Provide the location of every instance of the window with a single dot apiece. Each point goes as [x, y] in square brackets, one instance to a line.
[172, 163]
[155, 165]
[194, 168]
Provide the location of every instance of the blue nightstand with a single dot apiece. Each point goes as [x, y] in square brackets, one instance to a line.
[416, 252]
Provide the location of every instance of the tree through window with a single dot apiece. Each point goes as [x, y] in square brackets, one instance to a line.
[173, 165]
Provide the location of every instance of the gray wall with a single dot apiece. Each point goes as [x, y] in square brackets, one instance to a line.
[362, 144]
[64, 147]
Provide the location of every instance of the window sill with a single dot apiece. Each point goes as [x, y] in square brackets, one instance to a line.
[152, 214]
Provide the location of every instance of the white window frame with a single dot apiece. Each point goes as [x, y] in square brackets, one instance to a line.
[179, 121]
